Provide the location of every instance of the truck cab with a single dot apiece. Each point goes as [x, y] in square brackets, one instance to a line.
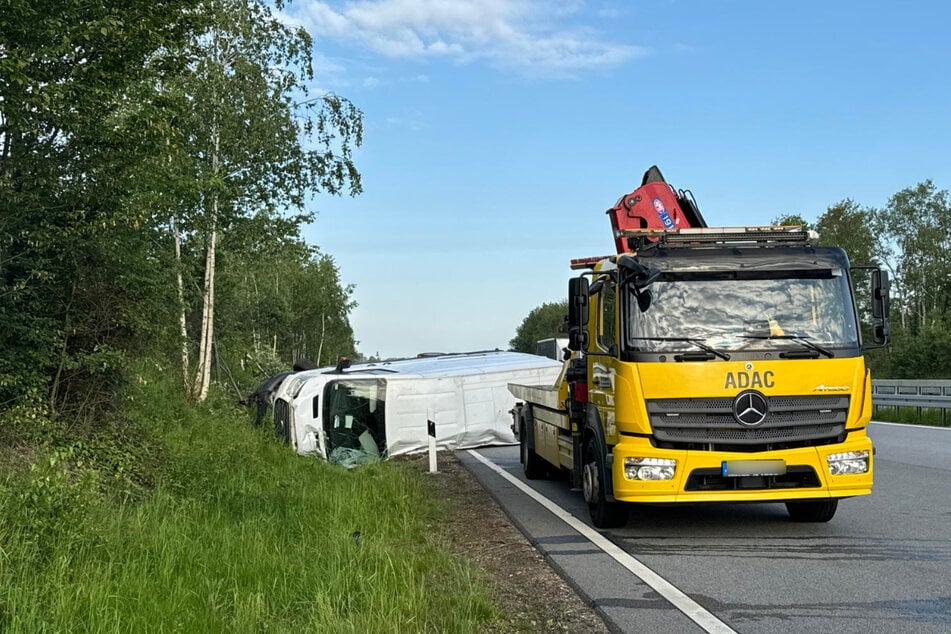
[715, 365]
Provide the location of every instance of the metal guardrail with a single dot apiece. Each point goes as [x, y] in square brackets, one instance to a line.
[924, 393]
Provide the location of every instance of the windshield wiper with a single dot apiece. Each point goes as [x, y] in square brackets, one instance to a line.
[697, 342]
[801, 340]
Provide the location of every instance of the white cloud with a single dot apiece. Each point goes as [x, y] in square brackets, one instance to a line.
[611, 11]
[325, 66]
[371, 82]
[530, 36]
[413, 121]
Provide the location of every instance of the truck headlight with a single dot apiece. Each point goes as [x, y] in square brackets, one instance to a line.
[848, 462]
[649, 468]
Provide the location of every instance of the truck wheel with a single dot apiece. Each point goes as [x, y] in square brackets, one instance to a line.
[532, 465]
[604, 514]
[813, 511]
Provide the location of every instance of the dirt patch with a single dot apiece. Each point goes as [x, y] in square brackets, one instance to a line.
[532, 597]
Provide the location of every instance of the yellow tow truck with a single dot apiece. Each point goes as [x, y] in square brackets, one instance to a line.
[709, 365]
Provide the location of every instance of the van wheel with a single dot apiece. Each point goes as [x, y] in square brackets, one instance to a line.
[813, 511]
[282, 428]
[532, 465]
[604, 514]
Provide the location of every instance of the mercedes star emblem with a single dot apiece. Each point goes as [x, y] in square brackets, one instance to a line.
[750, 408]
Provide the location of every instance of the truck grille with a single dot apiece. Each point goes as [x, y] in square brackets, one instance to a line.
[708, 423]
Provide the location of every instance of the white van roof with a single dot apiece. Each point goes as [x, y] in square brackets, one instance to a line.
[464, 363]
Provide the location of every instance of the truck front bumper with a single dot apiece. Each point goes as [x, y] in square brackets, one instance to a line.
[700, 476]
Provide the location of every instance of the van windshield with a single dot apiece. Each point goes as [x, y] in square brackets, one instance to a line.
[777, 310]
[354, 421]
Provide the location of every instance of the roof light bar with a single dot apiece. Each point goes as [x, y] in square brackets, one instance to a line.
[711, 235]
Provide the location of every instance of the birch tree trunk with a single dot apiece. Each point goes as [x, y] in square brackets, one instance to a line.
[182, 324]
[244, 94]
[203, 375]
[320, 346]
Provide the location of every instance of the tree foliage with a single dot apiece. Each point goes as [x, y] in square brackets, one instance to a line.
[915, 227]
[914, 240]
[107, 116]
[848, 225]
[251, 136]
[787, 220]
[282, 297]
[73, 287]
[543, 322]
[910, 238]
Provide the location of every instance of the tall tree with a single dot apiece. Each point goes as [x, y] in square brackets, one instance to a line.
[281, 297]
[543, 322]
[915, 232]
[257, 142]
[72, 277]
[848, 225]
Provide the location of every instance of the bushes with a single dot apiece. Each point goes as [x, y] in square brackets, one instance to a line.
[46, 511]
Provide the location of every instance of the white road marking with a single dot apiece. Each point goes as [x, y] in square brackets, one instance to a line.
[694, 611]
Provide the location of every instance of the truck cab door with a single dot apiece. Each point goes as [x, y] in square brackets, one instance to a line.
[603, 361]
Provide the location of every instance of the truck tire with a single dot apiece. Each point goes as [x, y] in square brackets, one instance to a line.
[604, 514]
[532, 465]
[812, 511]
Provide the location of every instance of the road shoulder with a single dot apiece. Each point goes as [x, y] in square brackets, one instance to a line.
[532, 596]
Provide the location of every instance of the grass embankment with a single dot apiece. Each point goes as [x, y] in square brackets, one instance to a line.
[929, 416]
[204, 524]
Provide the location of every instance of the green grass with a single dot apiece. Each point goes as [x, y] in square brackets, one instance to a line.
[234, 533]
[931, 417]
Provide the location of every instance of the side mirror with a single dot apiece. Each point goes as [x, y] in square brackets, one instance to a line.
[880, 294]
[577, 313]
[880, 334]
[880, 306]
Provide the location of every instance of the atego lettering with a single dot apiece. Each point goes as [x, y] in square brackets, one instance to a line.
[742, 380]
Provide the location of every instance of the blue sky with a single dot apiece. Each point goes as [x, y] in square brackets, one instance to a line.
[497, 132]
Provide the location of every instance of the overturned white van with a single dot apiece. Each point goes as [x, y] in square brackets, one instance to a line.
[373, 410]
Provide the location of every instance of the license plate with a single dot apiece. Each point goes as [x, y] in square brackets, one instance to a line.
[737, 468]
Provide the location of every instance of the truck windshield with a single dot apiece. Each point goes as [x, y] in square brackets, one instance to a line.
[810, 312]
[355, 420]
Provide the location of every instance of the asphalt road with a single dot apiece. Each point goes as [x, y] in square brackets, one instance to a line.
[883, 564]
